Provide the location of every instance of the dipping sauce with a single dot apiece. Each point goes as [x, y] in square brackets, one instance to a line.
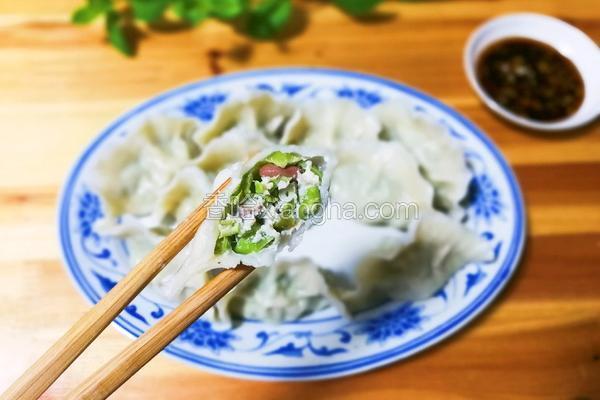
[530, 79]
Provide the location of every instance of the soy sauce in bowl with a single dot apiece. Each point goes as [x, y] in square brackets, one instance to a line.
[530, 79]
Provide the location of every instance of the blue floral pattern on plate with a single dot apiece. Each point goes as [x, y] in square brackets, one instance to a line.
[204, 107]
[202, 334]
[486, 198]
[362, 97]
[296, 350]
[90, 210]
[392, 323]
[288, 89]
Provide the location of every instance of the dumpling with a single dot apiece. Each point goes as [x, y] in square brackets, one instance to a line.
[333, 121]
[283, 292]
[175, 201]
[341, 248]
[441, 247]
[269, 203]
[382, 181]
[276, 121]
[227, 117]
[130, 175]
[181, 196]
[237, 144]
[295, 129]
[440, 158]
[273, 117]
[172, 137]
[141, 237]
[264, 207]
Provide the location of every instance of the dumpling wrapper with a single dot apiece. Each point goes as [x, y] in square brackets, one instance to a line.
[385, 175]
[258, 113]
[441, 246]
[334, 121]
[129, 176]
[440, 157]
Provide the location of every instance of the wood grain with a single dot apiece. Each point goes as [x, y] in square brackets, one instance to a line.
[59, 85]
[37, 378]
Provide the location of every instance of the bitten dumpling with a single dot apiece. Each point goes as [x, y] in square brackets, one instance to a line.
[272, 199]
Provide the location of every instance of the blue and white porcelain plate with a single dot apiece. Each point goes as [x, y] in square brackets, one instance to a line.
[322, 345]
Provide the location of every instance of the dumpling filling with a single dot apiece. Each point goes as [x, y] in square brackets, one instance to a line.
[274, 198]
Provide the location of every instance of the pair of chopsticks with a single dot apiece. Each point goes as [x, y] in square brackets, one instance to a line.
[113, 374]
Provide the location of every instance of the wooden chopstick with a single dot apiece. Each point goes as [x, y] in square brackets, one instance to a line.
[66, 349]
[117, 371]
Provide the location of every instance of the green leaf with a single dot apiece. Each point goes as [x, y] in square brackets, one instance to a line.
[227, 9]
[357, 7]
[87, 13]
[117, 34]
[282, 159]
[192, 11]
[84, 15]
[268, 18]
[104, 5]
[149, 10]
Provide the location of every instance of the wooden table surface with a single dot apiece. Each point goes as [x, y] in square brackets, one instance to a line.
[60, 84]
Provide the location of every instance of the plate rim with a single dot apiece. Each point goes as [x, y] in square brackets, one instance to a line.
[318, 371]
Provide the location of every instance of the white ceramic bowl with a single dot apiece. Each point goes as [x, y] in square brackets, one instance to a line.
[568, 40]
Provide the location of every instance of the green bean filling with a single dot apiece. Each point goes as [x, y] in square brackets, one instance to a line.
[276, 195]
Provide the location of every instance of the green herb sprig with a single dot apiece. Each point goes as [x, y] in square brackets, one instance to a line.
[260, 19]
